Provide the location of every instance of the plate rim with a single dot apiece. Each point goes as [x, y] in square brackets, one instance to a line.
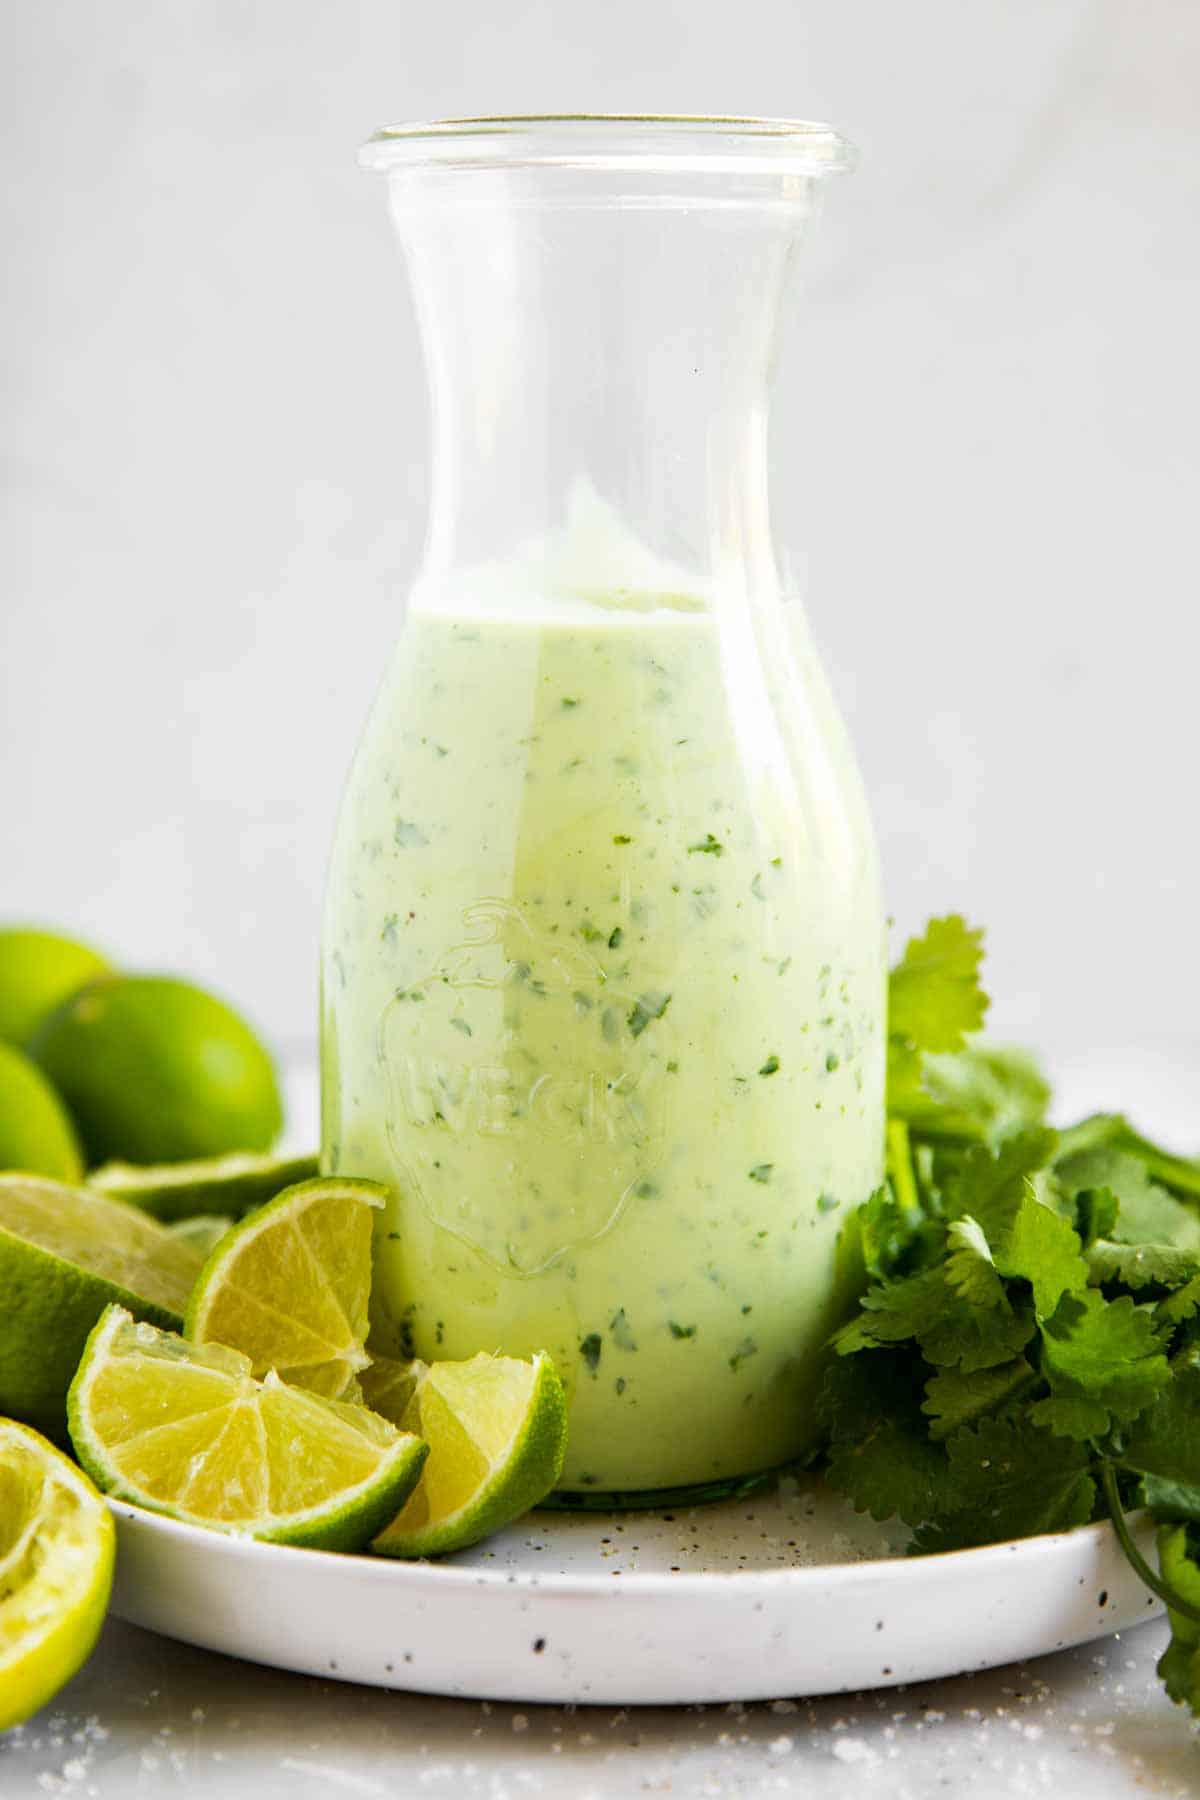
[425, 1572]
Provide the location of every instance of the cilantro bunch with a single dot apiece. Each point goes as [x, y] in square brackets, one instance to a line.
[1025, 1356]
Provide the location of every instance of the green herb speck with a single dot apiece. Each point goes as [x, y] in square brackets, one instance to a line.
[408, 835]
[620, 838]
[590, 1348]
[461, 1025]
[681, 1331]
[761, 1172]
[647, 1008]
[827, 1203]
[746, 1348]
[622, 1335]
[831, 1061]
[569, 704]
[709, 846]
[771, 1066]
[614, 938]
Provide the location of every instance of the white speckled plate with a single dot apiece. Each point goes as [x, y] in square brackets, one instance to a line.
[785, 1593]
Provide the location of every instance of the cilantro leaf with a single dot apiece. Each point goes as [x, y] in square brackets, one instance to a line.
[1179, 1665]
[934, 995]
[892, 1312]
[982, 1093]
[1181, 1305]
[1015, 1481]
[1096, 1213]
[1146, 1212]
[1165, 1441]
[925, 1308]
[976, 1337]
[1103, 1360]
[953, 1399]
[990, 1185]
[1042, 1249]
[970, 1266]
[1140, 1265]
[880, 1454]
[1114, 1132]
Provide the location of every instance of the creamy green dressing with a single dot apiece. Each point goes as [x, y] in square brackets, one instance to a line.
[603, 993]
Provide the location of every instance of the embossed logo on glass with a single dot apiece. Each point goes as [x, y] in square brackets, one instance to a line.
[525, 1102]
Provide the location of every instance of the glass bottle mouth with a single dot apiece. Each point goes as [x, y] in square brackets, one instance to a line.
[676, 142]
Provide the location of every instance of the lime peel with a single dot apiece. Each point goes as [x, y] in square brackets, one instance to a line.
[229, 1185]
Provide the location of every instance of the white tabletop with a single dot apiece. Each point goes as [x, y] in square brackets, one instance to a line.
[149, 1717]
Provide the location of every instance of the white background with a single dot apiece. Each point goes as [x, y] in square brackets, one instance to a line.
[214, 435]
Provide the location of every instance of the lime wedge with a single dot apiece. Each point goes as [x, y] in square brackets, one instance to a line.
[289, 1286]
[65, 1254]
[387, 1386]
[218, 1184]
[496, 1429]
[185, 1429]
[203, 1233]
[56, 1569]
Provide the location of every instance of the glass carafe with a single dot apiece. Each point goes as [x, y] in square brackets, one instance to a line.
[603, 972]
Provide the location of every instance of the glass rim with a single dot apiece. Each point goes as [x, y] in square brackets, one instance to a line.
[702, 142]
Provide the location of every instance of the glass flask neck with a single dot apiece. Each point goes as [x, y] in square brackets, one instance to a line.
[600, 338]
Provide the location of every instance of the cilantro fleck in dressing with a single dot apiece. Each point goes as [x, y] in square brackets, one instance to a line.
[603, 998]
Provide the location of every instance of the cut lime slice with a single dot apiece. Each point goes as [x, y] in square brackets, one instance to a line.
[203, 1233]
[231, 1185]
[387, 1386]
[56, 1569]
[65, 1254]
[496, 1429]
[185, 1429]
[289, 1286]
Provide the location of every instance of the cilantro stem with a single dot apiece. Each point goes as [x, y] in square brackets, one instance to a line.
[1141, 1568]
[899, 1167]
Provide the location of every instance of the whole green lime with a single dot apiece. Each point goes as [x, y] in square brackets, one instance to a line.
[156, 1070]
[38, 971]
[36, 1133]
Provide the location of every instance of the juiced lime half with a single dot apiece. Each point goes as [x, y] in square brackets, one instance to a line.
[496, 1429]
[231, 1185]
[65, 1254]
[185, 1429]
[56, 1568]
[289, 1286]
